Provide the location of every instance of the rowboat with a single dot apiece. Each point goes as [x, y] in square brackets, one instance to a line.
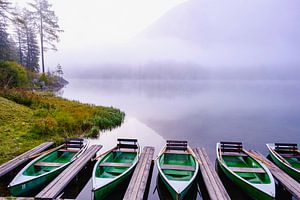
[287, 157]
[43, 169]
[246, 170]
[177, 168]
[114, 167]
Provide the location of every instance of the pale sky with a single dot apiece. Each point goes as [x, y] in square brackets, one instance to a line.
[211, 33]
[92, 23]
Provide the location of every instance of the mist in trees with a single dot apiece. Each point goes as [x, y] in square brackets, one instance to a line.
[47, 22]
[37, 23]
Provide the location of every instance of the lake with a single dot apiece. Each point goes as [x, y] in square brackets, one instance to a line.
[202, 112]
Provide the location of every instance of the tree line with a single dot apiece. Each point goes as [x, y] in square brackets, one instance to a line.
[23, 29]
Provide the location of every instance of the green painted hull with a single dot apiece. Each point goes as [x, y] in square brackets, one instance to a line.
[41, 175]
[103, 192]
[250, 190]
[255, 180]
[177, 175]
[118, 173]
[293, 173]
[173, 193]
[33, 186]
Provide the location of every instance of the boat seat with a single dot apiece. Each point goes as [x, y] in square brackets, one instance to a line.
[176, 152]
[69, 150]
[247, 170]
[234, 154]
[112, 164]
[48, 164]
[290, 155]
[125, 150]
[178, 167]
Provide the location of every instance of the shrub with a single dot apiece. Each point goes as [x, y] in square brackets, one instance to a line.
[12, 75]
[19, 97]
[45, 126]
[93, 132]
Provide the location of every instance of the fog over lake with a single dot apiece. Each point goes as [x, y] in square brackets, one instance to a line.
[202, 112]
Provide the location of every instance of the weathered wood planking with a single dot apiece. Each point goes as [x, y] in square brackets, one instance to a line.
[286, 181]
[213, 184]
[138, 182]
[21, 159]
[54, 189]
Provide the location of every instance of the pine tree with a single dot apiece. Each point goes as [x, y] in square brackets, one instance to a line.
[28, 49]
[48, 26]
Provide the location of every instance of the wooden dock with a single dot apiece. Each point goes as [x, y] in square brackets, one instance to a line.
[285, 180]
[138, 182]
[54, 189]
[213, 184]
[21, 159]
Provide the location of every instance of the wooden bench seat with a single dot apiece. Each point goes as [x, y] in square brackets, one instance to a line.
[176, 152]
[247, 170]
[234, 154]
[48, 164]
[178, 167]
[290, 155]
[69, 150]
[112, 164]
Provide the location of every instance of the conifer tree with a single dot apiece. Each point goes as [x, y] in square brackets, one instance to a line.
[48, 27]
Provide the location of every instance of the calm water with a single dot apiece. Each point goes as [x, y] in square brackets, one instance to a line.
[202, 112]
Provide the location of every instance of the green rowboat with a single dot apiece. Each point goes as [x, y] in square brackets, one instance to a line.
[42, 170]
[114, 167]
[177, 167]
[287, 157]
[245, 170]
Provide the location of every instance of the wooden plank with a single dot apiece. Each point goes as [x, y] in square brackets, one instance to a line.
[234, 154]
[21, 159]
[126, 140]
[177, 141]
[69, 150]
[285, 180]
[178, 167]
[54, 189]
[111, 164]
[215, 188]
[138, 182]
[247, 170]
[48, 164]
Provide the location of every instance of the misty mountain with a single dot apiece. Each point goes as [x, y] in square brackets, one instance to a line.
[207, 39]
[234, 33]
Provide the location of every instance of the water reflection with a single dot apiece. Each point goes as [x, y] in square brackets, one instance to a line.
[203, 112]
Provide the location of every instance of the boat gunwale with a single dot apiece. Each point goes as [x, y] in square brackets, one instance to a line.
[21, 176]
[94, 178]
[274, 153]
[167, 180]
[253, 185]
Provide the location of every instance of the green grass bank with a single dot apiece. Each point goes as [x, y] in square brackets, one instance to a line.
[28, 119]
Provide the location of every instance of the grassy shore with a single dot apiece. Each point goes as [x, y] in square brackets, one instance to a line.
[28, 119]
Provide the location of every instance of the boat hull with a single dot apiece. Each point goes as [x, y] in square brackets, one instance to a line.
[291, 172]
[173, 193]
[106, 190]
[249, 189]
[33, 186]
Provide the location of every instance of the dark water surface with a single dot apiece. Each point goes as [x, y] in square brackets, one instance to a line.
[202, 112]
